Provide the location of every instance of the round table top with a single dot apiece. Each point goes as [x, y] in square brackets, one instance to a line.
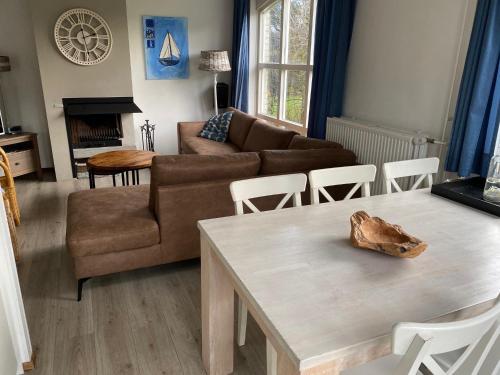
[121, 160]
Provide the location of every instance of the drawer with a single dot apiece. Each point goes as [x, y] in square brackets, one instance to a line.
[21, 162]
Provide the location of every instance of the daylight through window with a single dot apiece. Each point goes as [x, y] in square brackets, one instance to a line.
[285, 60]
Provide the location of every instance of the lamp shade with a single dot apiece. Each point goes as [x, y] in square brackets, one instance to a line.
[4, 64]
[214, 61]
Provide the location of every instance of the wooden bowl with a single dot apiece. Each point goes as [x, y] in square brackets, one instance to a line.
[373, 233]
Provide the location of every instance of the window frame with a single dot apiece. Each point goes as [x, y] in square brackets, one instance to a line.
[285, 67]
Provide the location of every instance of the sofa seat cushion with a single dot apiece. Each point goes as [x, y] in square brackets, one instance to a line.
[202, 146]
[264, 136]
[110, 220]
[299, 142]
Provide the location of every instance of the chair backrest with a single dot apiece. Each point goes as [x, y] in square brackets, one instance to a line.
[291, 185]
[424, 168]
[361, 175]
[4, 158]
[417, 342]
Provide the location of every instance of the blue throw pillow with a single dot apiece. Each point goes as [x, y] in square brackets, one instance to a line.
[217, 127]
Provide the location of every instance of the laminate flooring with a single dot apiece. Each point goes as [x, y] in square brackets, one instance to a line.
[140, 322]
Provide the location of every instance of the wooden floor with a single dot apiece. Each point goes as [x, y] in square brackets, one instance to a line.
[141, 322]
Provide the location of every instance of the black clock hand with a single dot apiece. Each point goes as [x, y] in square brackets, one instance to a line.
[84, 40]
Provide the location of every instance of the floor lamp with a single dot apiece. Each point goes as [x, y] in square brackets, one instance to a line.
[4, 67]
[215, 62]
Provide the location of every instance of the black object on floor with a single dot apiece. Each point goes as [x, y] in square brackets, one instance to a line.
[222, 95]
[468, 192]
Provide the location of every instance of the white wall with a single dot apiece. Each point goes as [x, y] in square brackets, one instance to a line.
[166, 102]
[63, 79]
[21, 87]
[402, 63]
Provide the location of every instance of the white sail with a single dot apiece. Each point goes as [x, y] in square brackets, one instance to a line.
[169, 48]
[175, 50]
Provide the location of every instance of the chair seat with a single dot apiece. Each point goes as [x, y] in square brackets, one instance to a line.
[110, 220]
[203, 146]
[382, 366]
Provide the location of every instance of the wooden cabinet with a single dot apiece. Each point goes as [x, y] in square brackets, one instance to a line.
[22, 151]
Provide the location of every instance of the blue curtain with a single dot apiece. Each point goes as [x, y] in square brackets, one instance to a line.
[477, 115]
[334, 20]
[241, 51]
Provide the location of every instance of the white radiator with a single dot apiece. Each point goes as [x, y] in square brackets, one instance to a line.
[376, 145]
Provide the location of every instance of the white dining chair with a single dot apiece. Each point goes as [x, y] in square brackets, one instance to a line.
[416, 344]
[242, 192]
[424, 168]
[360, 175]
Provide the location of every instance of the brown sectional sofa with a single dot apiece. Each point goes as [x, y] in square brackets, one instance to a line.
[246, 134]
[124, 228]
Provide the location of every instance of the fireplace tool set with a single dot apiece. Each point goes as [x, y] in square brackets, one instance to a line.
[148, 136]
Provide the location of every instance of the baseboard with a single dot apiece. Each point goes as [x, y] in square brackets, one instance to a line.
[30, 366]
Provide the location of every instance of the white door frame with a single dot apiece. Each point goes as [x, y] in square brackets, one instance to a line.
[10, 292]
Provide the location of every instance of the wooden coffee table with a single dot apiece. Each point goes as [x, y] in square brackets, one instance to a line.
[119, 162]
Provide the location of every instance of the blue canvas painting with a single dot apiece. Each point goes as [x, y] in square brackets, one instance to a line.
[166, 47]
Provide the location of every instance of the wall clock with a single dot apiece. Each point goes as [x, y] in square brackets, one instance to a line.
[83, 36]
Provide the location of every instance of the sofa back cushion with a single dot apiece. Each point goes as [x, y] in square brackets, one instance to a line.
[240, 126]
[299, 142]
[182, 169]
[293, 161]
[263, 136]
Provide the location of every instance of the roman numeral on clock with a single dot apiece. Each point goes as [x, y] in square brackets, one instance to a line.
[80, 17]
[102, 46]
[67, 47]
[71, 20]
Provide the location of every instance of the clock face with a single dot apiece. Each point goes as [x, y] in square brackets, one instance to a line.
[83, 36]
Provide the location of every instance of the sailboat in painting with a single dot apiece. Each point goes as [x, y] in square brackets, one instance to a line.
[170, 54]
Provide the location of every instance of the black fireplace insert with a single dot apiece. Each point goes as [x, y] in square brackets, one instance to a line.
[95, 122]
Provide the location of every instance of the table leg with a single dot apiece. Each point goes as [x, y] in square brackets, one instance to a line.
[123, 179]
[91, 179]
[217, 313]
[137, 177]
[114, 181]
[133, 177]
[287, 367]
[127, 178]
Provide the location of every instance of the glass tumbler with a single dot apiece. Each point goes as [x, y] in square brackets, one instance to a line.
[492, 186]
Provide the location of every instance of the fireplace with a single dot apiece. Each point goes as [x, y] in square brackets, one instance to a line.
[89, 131]
[94, 123]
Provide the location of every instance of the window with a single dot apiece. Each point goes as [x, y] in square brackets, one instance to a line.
[285, 61]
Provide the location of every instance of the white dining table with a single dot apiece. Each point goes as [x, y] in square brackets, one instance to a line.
[326, 306]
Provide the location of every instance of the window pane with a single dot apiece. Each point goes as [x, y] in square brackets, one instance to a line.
[295, 95]
[271, 34]
[298, 33]
[270, 94]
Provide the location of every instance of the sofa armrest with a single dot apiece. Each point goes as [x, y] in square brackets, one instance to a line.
[188, 129]
[178, 209]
